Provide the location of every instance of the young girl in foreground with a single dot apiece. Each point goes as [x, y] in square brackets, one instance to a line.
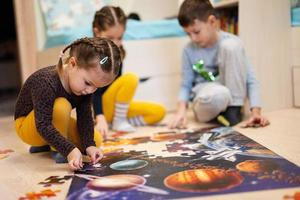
[43, 108]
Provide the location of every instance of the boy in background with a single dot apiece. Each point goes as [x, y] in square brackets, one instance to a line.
[215, 70]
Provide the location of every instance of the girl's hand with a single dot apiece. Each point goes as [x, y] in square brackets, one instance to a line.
[101, 125]
[75, 159]
[95, 154]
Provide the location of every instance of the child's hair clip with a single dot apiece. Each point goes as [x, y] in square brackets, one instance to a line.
[61, 54]
[103, 60]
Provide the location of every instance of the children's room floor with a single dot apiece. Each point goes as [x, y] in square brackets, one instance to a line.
[24, 175]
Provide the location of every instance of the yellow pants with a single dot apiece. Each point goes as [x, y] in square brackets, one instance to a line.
[62, 121]
[122, 91]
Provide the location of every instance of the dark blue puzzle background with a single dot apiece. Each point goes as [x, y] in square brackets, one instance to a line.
[223, 161]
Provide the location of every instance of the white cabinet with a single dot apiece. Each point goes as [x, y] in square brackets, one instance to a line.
[296, 86]
[264, 27]
[159, 59]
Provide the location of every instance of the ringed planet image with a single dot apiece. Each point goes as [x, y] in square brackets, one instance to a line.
[126, 165]
[116, 182]
[203, 180]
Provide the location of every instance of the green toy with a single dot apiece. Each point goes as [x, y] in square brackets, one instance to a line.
[199, 67]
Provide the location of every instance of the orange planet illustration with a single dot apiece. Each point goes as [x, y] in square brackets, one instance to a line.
[116, 182]
[257, 166]
[203, 180]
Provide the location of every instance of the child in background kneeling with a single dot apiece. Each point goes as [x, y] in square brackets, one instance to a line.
[114, 104]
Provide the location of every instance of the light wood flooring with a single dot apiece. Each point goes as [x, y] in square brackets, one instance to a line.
[21, 172]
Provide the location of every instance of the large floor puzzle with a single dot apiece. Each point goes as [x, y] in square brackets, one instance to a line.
[182, 164]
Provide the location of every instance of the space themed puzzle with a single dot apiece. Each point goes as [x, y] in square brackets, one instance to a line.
[183, 164]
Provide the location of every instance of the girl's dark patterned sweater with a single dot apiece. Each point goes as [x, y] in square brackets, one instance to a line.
[39, 93]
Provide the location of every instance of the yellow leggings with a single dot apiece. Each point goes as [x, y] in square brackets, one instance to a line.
[122, 91]
[62, 121]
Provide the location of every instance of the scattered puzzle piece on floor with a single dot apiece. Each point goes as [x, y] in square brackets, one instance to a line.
[54, 180]
[296, 196]
[5, 153]
[40, 195]
[2, 156]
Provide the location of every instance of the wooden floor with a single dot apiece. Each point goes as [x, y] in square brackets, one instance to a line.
[21, 172]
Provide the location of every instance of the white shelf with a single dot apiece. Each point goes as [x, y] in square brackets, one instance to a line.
[225, 3]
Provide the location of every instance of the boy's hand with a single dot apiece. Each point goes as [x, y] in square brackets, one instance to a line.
[94, 153]
[256, 119]
[101, 125]
[75, 159]
[178, 121]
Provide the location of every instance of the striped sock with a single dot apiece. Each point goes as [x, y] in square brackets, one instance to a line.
[121, 110]
[137, 121]
[120, 122]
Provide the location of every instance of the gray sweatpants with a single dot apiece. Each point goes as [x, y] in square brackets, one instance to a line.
[214, 97]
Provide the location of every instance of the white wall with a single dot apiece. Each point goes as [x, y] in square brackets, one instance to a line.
[295, 53]
[264, 27]
[40, 26]
[295, 49]
[149, 9]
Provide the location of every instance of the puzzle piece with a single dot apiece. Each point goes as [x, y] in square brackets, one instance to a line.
[185, 154]
[2, 156]
[89, 167]
[5, 153]
[118, 134]
[224, 153]
[176, 146]
[40, 195]
[54, 180]
[296, 196]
